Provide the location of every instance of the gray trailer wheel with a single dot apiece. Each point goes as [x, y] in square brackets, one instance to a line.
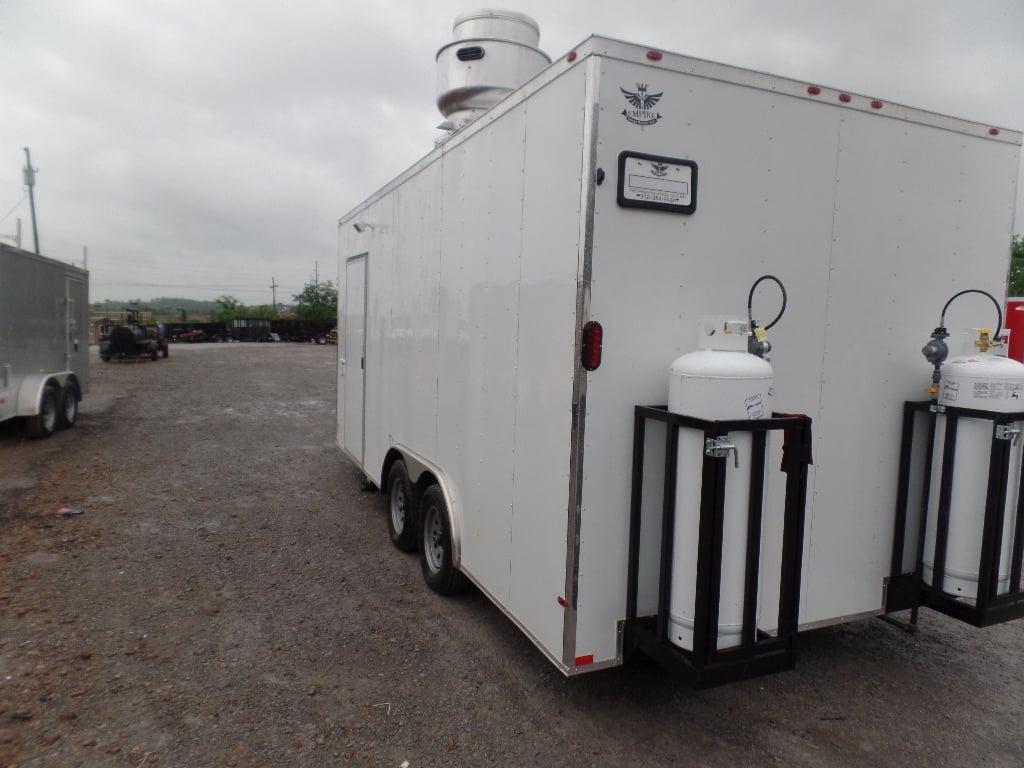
[436, 545]
[69, 398]
[44, 423]
[401, 508]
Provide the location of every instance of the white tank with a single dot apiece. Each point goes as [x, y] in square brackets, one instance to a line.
[493, 53]
[720, 381]
[985, 382]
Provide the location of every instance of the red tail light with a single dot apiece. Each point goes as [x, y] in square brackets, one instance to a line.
[590, 352]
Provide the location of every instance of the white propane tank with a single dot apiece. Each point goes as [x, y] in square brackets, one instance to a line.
[986, 382]
[720, 381]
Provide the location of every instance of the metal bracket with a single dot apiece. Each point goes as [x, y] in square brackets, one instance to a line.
[937, 408]
[910, 627]
[1008, 432]
[719, 447]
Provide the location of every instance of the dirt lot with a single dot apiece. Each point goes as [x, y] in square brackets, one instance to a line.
[229, 597]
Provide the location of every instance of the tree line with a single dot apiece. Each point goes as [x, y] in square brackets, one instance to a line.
[317, 301]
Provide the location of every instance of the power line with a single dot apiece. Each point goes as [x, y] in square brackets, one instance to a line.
[16, 206]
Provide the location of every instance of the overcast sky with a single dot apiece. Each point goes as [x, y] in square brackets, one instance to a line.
[207, 147]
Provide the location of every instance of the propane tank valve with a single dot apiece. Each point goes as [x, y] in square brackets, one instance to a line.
[757, 342]
[983, 342]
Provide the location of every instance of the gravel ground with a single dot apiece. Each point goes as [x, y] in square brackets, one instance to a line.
[229, 597]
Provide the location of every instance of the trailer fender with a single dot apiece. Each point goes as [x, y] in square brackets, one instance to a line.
[30, 391]
[423, 472]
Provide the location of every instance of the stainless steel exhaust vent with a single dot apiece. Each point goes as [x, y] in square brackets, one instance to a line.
[492, 54]
[472, 53]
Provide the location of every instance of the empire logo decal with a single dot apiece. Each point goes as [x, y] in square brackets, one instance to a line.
[643, 103]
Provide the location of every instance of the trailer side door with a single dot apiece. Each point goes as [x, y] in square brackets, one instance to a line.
[353, 360]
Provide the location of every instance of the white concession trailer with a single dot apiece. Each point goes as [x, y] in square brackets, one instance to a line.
[44, 340]
[510, 305]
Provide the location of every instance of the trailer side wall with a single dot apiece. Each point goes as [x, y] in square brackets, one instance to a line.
[44, 324]
[471, 291]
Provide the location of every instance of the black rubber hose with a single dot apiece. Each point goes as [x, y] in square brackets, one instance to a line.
[750, 299]
[999, 309]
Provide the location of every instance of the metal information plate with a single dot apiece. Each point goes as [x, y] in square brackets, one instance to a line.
[661, 183]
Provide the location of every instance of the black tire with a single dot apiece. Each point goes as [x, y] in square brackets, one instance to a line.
[44, 423]
[401, 497]
[153, 353]
[69, 398]
[436, 545]
[105, 358]
[164, 351]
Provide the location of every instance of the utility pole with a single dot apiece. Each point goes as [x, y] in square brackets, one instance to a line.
[30, 182]
[316, 272]
[273, 287]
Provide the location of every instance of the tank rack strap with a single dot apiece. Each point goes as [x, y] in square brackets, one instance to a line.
[759, 652]
[909, 589]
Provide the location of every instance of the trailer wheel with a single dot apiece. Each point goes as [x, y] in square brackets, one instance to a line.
[69, 398]
[436, 545]
[44, 423]
[401, 508]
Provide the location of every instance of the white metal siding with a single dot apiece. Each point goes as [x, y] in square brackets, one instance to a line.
[409, 300]
[920, 214]
[472, 284]
[480, 251]
[870, 232]
[546, 354]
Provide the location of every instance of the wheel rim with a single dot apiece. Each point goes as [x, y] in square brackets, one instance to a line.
[398, 502]
[49, 414]
[433, 539]
[70, 407]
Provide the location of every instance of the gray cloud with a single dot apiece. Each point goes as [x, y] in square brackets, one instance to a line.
[203, 148]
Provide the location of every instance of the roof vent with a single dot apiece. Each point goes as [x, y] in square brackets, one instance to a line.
[472, 53]
[492, 54]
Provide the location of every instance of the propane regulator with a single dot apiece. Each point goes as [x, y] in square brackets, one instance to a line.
[936, 350]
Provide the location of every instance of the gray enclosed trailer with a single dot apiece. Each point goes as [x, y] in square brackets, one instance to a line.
[44, 340]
